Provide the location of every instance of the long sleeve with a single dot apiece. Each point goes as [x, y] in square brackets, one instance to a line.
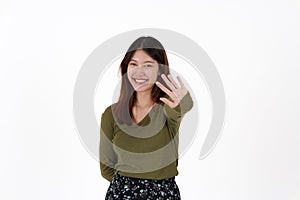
[108, 157]
[175, 115]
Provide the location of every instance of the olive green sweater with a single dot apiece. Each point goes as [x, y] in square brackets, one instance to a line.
[148, 149]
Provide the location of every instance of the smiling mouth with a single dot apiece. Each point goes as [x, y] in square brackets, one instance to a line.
[140, 81]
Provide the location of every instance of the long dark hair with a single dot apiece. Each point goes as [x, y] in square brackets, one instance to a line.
[123, 108]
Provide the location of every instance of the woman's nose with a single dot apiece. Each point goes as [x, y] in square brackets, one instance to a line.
[139, 69]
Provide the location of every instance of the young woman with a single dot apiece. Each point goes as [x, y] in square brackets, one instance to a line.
[138, 136]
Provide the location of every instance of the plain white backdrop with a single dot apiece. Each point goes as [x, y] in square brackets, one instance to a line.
[255, 46]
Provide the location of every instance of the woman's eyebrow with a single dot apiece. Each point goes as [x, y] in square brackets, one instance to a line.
[148, 61]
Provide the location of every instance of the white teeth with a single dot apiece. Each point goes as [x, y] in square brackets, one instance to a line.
[140, 80]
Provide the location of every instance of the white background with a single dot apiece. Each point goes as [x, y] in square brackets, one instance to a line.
[254, 45]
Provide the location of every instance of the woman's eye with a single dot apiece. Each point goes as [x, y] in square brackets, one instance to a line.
[148, 65]
[132, 64]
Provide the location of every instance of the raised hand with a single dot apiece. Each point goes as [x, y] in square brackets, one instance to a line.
[177, 92]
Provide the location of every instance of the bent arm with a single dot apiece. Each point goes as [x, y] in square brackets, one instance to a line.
[175, 115]
[108, 157]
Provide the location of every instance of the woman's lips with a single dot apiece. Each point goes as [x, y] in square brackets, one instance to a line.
[140, 80]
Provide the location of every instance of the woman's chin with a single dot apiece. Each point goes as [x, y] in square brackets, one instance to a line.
[142, 88]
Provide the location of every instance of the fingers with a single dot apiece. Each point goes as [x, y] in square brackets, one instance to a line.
[167, 101]
[173, 81]
[177, 92]
[163, 88]
[166, 90]
[180, 82]
[170, 84]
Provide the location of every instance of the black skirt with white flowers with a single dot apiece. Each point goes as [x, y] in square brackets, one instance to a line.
[123, 187]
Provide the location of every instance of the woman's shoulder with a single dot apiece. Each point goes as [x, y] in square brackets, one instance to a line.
[108, 111]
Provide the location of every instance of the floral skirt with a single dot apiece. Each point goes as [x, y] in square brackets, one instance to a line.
[123, 187]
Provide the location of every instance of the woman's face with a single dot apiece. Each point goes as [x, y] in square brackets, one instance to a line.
[142, 71]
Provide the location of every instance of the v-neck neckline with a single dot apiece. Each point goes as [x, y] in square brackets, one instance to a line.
[146, 116]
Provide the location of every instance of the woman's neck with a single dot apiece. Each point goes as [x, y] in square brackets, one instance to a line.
[143, 99]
